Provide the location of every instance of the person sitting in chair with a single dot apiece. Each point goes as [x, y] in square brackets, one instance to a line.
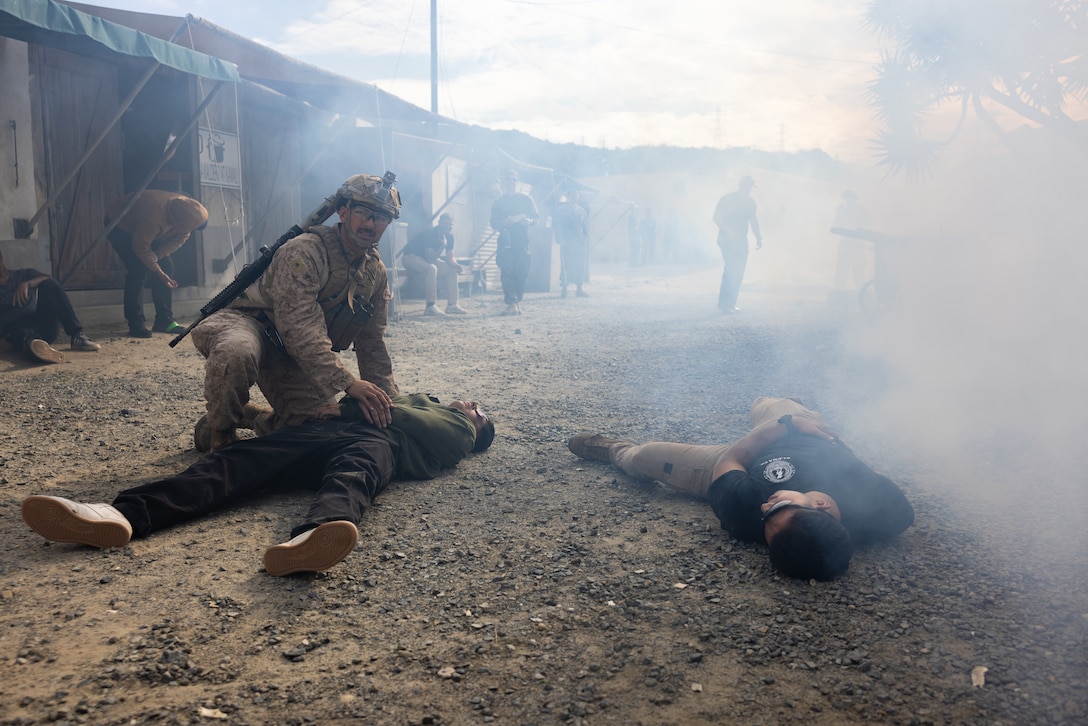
[428, 256]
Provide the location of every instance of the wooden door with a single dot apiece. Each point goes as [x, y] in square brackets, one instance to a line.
[77, 98]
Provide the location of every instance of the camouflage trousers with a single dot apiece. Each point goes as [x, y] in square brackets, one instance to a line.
[239, 354]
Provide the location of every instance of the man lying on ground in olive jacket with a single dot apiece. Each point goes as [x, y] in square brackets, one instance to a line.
[338, 454]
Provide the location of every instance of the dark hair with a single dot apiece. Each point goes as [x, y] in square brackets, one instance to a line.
[484, 437]
[811, 545]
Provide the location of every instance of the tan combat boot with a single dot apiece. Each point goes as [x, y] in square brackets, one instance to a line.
[593, 447]
[205, 438]
[255, 418]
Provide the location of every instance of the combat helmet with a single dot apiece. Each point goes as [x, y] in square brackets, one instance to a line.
[377, 192]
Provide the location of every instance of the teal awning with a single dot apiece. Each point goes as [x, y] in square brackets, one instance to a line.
[45, 22]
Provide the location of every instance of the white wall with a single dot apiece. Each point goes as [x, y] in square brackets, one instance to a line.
[17, 188]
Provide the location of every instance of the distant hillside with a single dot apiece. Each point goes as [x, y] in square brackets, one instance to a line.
[584, 161]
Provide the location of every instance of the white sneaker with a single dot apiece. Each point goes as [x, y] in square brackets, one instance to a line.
[455, 310]
[511, 309]
[432, 310]
[62, 520]
[315, 550]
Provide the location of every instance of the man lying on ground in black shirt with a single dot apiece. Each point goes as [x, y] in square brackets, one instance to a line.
[789, 483]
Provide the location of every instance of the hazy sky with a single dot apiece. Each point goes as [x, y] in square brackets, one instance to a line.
[720, 73]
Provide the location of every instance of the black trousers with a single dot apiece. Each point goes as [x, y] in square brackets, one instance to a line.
[136, 274]
[514, 268]
[347, 463]
[52, 312]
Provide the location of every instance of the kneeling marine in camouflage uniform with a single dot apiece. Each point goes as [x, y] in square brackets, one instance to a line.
[324, 291]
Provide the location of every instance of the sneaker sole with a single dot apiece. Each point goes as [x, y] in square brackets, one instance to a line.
[45, 352]
[55, 521]
[328, 545]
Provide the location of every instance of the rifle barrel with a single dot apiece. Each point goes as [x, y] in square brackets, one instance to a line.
[250, 273]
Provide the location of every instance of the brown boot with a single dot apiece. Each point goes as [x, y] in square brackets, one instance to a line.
[592, 447]
[205, 438]
[250, 413]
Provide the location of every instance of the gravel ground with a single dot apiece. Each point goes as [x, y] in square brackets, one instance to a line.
[528, 586]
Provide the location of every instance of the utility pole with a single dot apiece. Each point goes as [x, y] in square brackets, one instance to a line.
[434, 57]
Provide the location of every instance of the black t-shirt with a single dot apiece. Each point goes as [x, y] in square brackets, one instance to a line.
[873, 508]
[430, 244]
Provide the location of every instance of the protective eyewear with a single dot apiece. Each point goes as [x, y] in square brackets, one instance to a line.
[372, 215]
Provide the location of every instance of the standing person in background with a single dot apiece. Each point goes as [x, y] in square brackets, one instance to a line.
[512, 214]
[648, 233]
[634, 237]
[156, 226]
[33, 306]
[572, 234]
[670, 232]
[850, 262]
[733, 215]
[430, 254]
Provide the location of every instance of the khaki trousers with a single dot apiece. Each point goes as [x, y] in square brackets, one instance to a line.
[691, 468]
[428, 273]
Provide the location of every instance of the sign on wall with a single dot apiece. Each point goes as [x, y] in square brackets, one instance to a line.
[220, 158]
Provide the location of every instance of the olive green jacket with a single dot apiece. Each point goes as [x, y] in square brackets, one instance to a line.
[427, 436]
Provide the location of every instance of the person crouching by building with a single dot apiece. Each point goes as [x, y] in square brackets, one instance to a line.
[155, 227]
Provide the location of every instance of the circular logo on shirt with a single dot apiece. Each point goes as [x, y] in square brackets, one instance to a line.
[778, 471]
